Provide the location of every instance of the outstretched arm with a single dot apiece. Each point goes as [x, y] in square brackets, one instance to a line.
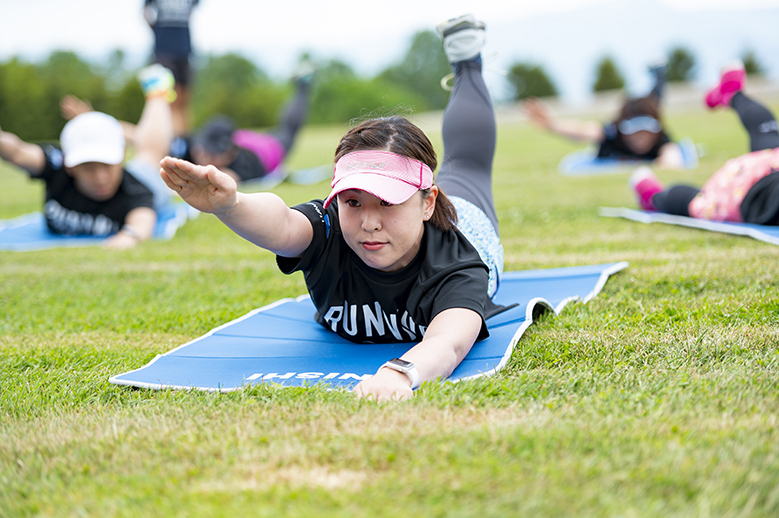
[447, 341]
[539, 113]
[261, 218]
[22, 154]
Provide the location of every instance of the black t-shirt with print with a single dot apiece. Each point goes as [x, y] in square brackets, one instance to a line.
[365, 305]
[614, 147]
[67, 211]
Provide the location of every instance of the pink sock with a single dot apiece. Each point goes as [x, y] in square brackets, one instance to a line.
[732, 80]
[645, 184]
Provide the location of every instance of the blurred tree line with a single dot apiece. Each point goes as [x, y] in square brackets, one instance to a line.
[234, 85]
[228, 84]
[30, 92]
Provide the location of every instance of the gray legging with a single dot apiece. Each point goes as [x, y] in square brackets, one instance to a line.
[763, 134]
[758, 121]
[293, 116]
[469, 141]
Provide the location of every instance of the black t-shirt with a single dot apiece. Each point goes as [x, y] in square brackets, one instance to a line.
[247, 165]
[761, 203]
[67, 211]
[365, 305]
[614, 147]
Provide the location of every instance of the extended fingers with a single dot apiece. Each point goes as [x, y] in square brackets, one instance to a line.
[220, 179]
[169, 181]
[180, 172]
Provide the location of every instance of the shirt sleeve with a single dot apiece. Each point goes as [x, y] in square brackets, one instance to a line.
[54, 162]
[464, 289]
[137, 194]
[321, 220]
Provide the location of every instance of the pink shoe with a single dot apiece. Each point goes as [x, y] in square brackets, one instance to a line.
[733, 78]
[645, 184]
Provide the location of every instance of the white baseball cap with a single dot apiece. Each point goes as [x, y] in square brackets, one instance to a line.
[92, 137]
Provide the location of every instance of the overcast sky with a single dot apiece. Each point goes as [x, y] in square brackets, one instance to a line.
[367, 35]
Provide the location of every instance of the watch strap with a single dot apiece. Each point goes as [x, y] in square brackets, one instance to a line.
[411, 372]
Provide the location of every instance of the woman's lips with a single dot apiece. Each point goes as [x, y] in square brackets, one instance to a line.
[372, 245]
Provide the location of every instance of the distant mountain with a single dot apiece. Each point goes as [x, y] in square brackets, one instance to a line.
[635, 34]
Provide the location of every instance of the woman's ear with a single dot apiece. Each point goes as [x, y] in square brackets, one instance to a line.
[429, 202]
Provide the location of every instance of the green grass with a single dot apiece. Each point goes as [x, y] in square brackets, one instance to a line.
[659, 398]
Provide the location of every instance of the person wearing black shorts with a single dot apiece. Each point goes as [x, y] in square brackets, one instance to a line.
[169, 19]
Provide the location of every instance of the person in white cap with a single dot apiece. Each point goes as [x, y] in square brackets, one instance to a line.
[88, 189]
[387, 256]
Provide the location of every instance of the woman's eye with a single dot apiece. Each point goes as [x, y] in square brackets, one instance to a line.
[353, 203]
[385, 204]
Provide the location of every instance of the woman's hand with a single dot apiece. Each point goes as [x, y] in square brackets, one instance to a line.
[538, 112]
[670, 157]
[71, 107]
[120, 241]
[206, 188]
[385, 385]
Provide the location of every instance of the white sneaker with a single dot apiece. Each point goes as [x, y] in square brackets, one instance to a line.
[463, 37]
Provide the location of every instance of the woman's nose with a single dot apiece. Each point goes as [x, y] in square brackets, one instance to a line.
[371, 221]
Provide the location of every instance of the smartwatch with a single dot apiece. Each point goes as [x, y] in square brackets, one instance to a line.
[406, 368]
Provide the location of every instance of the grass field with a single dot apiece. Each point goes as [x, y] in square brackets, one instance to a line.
[659, 398]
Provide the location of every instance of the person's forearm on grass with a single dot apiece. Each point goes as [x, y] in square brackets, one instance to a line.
[138, 227]
[447, 341]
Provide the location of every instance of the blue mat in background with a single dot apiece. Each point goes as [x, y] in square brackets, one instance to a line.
[281, 343]
[768, 234]
[29, 231]
[585, 162]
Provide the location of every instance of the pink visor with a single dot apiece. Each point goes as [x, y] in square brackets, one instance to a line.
[391, 177]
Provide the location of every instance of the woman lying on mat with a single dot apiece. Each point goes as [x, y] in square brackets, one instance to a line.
[382, 258]
[746, 188]
[88, 189]
[636, 134]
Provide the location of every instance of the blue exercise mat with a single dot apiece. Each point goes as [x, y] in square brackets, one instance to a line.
[281, 343]
[29, 231]
[768, 234]
[585, 162]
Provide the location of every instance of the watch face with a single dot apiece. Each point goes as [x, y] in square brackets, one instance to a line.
[402, 363]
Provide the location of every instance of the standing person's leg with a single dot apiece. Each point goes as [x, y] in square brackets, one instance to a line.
[469, 136]
[758, 121]
[182, 74]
